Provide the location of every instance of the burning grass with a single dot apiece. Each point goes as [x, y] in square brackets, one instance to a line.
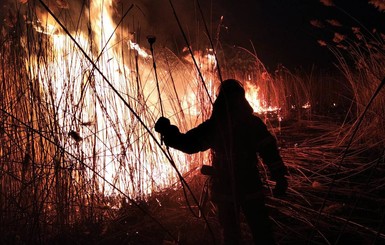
[80, 161]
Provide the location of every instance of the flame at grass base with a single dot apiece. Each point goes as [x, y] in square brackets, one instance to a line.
[112, 148]
[100, 145]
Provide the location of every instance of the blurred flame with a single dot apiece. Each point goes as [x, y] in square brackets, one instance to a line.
[136, 47]
[252, 95]
[122, 150]
[114, 141]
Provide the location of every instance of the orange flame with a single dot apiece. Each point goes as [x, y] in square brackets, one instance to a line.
[112, 138]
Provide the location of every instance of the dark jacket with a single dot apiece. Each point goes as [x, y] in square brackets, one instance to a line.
[236, 137]
[236, 142]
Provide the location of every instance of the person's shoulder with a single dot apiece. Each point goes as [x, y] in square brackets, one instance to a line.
[256, 119]
[257, 123]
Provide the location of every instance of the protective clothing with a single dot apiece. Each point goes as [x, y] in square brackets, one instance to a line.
[237, 138]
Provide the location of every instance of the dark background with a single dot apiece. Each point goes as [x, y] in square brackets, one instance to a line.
[281, 31]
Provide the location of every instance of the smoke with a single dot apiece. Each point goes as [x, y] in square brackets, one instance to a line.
[157, 18]
[147, 17]
[70, 12]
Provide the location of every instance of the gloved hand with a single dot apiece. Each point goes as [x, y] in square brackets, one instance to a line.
[169, 133]
[162, 125]
[280, 187]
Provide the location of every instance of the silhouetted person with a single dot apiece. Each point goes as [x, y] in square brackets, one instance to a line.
[236, 137]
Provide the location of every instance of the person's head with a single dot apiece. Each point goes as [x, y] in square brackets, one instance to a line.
[231, 100]
[231, 89]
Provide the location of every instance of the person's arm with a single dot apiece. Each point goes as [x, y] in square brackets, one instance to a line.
[193, 141]
[268, 151]
[270, 155]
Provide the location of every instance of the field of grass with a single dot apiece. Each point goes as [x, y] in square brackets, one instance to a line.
[81, 163]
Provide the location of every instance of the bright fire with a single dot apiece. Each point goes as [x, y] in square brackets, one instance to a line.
[114, 144]
[253, 96]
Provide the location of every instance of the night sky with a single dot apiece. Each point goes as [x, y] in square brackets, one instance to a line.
[281, 31]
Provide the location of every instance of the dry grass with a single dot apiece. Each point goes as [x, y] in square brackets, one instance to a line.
[80, 162]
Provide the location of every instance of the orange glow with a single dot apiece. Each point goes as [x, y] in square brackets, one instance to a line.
[253, 96]
[121, 149]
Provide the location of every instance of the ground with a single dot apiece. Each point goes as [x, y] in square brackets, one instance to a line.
[328, 201]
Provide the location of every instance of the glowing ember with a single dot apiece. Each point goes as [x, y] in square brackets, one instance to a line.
[307, 105]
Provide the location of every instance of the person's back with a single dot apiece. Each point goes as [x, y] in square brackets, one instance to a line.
[234, 155]
[236, 138]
